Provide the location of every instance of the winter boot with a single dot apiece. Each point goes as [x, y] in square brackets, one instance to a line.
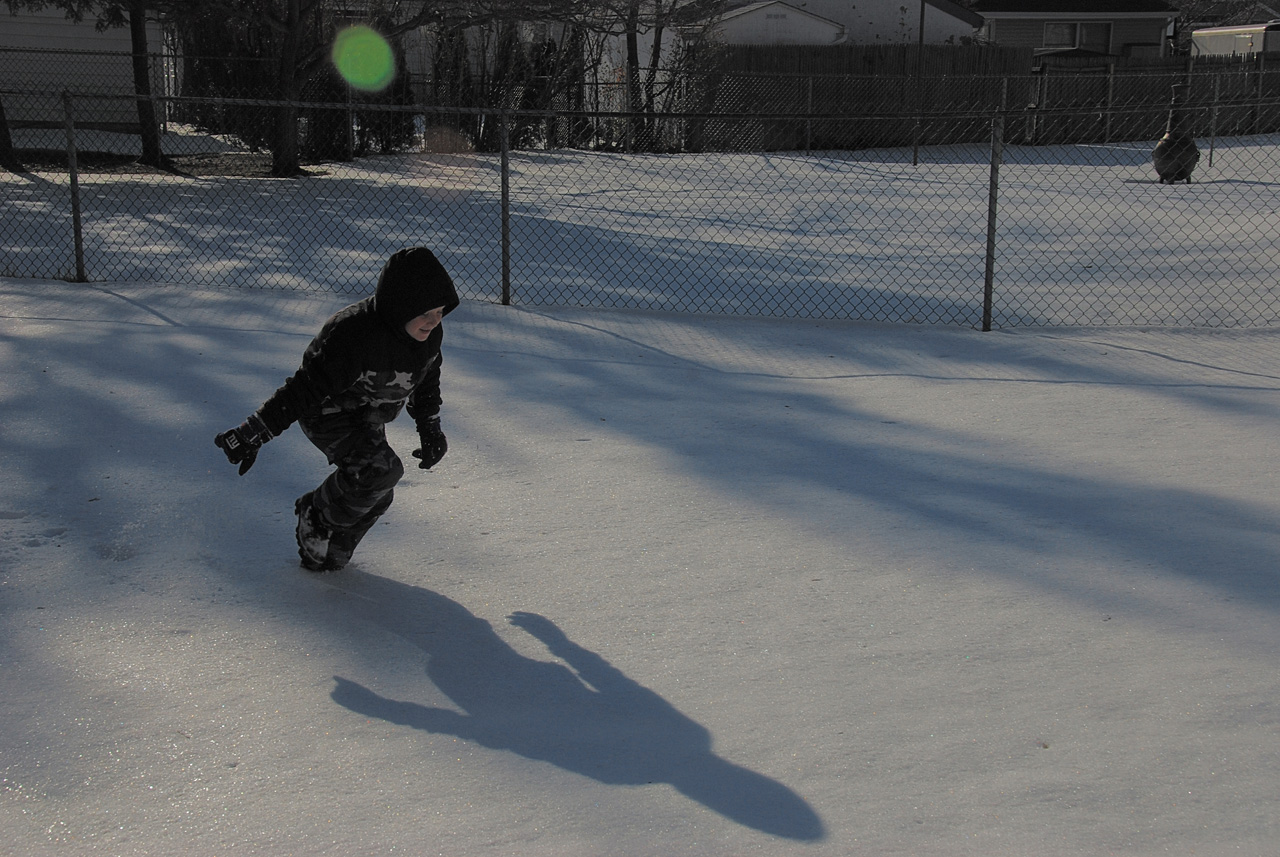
[343, 542]
[341, 545]
[313, 536]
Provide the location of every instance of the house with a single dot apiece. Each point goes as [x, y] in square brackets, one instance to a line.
[87, 61]
[815, 22]
[775, 23]
[1080, 27]
[889, 22]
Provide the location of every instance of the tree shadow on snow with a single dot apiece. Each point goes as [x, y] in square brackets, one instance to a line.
[586, 717]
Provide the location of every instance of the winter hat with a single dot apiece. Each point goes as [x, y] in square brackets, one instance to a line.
[411, 283]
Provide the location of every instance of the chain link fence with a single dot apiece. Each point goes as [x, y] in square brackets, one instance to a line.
[962, 215]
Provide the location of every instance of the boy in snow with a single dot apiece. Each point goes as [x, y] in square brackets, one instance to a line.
[367, 362]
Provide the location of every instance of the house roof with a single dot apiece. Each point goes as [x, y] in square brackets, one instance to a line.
[955, 10]
[1126, 8]
[948, 7]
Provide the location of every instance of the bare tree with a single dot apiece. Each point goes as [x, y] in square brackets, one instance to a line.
[643, 81]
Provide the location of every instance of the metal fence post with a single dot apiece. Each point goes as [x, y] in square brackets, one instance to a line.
[74, 173]
[993, 195]
[504, 132]
[915, 137]
[1257, 99]
[808, 125]
[1111, 98]
[1213, 120]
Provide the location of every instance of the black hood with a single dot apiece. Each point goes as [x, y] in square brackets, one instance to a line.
[411, 283]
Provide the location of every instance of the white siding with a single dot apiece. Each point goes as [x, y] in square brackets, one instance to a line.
[777, 25]
[1234, 41]
[881, 22]
[45, 51]
[50, 30]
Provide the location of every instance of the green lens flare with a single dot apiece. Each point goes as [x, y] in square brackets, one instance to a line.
[363, 58]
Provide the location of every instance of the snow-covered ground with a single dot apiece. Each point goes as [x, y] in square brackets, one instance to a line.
[684, 585]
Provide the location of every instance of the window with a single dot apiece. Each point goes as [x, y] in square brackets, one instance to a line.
[1059, 35]
[1092, 36]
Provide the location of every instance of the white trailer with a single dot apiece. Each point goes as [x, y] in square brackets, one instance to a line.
[1243, 41]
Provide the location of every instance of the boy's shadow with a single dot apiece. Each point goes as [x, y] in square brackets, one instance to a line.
[588, 718]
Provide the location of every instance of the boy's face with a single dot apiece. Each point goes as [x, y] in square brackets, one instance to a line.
[421, 326]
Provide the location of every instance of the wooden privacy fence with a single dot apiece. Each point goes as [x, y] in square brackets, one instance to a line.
[1059, 102]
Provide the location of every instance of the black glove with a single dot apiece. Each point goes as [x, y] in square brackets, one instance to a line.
[434, 445]
[241, 444]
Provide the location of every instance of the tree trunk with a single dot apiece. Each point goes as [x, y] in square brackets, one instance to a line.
[633, 70]
[651, 74]
[284, 150]
[150, 129]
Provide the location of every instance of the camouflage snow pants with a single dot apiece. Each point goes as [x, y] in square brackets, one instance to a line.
[355, 495]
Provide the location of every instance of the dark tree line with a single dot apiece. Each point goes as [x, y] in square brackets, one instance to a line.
[277, 50]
